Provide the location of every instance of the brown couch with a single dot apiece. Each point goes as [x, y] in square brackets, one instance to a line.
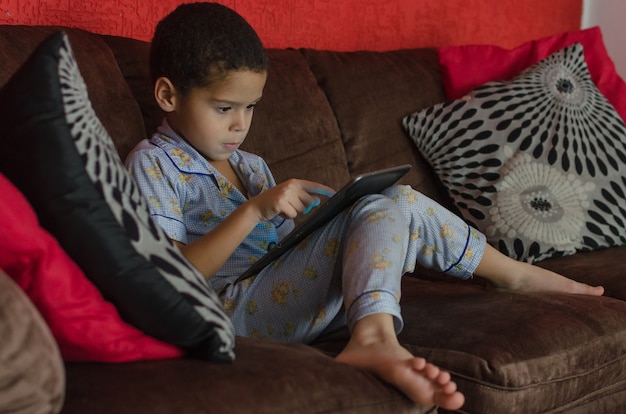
[326, 116]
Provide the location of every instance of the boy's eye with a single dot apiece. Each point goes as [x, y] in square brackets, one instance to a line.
[224, 109]
[251, 106]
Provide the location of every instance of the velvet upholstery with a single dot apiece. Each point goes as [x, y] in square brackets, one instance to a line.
[576, 343]
[324, 116]
[370, 117]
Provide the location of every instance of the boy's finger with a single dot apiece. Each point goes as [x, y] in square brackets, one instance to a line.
[321, 191]
[315, 203]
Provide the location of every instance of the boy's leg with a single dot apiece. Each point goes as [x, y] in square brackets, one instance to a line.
[509, 274]
[297, 298]
[378, 239]
[441, 240]
[356, 258]
[374, 258]
[438, 239]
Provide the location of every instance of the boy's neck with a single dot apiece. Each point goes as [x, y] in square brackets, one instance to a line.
[227, 170]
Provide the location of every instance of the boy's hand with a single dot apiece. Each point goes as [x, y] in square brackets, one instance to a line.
[289, 198]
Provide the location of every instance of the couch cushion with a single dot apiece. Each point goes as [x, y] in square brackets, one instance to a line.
[133, 56]
[294, 127]
[32, 377]
[521, 353]
[538, 163]
[370, 93]
[85, 326]
[63, 160]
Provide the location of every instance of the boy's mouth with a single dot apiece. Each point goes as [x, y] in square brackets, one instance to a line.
[230, 146]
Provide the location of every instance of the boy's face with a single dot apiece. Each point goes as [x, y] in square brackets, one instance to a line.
[216, 119]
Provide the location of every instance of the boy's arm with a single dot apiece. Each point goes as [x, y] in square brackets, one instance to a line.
[209, 253]
[288, 199]
[157, 185]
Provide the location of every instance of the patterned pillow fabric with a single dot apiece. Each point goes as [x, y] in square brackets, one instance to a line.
[465, 67]
[59, 155]
[537, 163]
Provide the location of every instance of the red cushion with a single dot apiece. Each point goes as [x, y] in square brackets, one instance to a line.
[86, 327]
[465, 67]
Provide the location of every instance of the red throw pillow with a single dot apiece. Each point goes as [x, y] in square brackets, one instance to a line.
[85, 326]
[465, 67]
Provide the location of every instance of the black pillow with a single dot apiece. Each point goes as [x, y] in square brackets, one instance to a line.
[59, 155]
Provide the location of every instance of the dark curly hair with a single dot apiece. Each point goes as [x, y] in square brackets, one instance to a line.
[199, 43]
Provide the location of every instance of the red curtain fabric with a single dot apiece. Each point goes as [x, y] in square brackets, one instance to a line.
[328, 24]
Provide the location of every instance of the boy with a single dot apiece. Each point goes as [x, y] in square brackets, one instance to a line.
[223, 208]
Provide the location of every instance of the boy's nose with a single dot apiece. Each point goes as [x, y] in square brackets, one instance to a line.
[240, 122]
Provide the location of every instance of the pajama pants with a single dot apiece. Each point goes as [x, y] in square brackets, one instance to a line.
[352, 267]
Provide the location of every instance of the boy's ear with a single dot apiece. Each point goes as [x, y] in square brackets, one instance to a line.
[165, 94]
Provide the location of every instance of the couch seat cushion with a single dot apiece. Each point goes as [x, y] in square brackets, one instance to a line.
[530, 353]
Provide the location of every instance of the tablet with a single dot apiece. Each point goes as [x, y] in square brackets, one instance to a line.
[363, 184]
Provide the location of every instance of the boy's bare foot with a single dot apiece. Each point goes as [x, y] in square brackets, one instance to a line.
[509, 274]
[537, 279]
[378, 351]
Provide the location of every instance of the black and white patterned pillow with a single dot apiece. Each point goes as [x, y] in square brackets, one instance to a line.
[537, 163]
[66, 164]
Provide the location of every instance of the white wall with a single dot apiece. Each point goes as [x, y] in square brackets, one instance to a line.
[610, 15]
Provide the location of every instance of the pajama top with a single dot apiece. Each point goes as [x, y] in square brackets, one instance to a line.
[188, 197]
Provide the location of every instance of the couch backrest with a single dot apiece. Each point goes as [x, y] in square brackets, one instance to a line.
[370, 93]
[324, 115]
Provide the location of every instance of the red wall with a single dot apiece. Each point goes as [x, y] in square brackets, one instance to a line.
[327, 24]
